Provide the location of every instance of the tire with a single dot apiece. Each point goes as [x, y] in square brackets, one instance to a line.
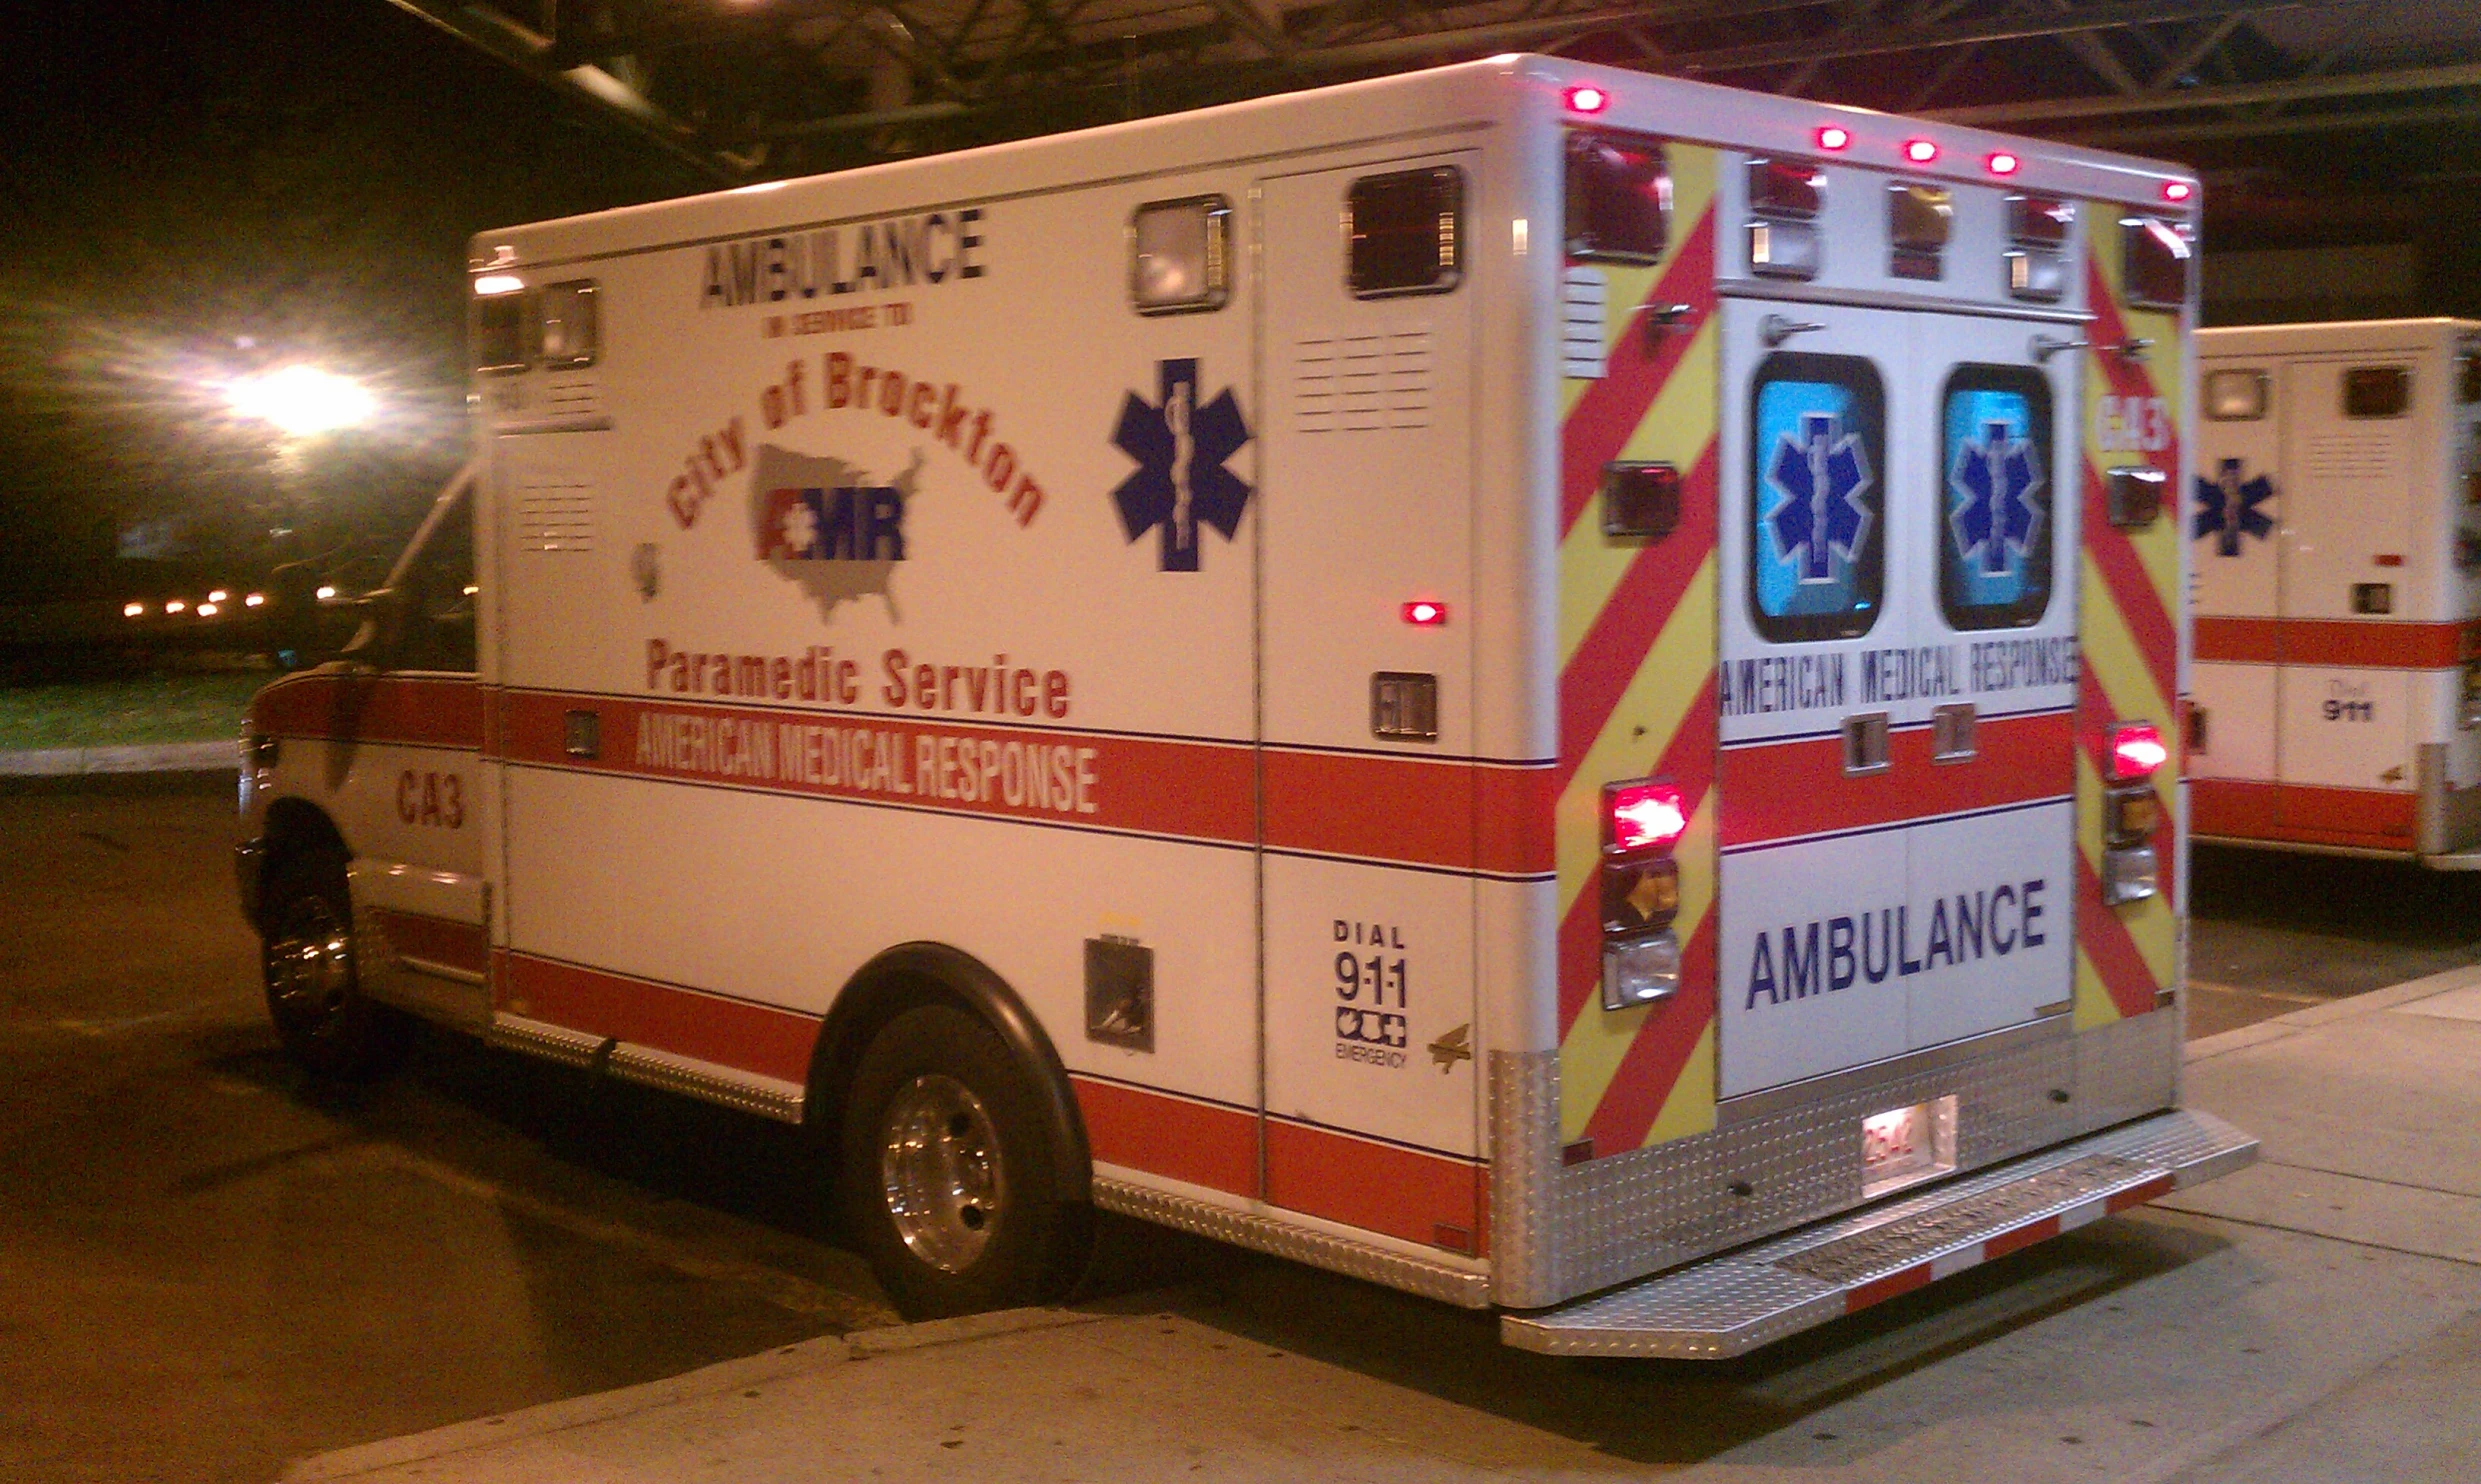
[313, 994]
[949, 1173]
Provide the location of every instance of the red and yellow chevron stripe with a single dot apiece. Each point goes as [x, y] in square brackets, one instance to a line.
[2128, 594]
[1636, 684]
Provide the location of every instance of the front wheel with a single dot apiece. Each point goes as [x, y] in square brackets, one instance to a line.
[950, 1174]
[313, 993]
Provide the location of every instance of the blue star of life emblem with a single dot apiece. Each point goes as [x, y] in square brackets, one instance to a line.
[2227, 508]
[1821, 475]
[1180, 448]
[1997, 478]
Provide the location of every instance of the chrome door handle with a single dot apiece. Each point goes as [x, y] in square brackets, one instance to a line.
[1774, 329]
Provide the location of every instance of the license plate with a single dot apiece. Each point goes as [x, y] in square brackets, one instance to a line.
[1903, 1146]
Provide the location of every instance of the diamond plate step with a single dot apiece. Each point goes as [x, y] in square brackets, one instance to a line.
[1731, 1304]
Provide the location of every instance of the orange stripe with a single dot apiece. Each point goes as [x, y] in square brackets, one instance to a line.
[2019, 1239]
[439, 940]
[1398, 1192]
[1652, 1064]
[2104, 938]
[2137, 1195]
[1610, 409]
[1879, 1290]
[1784, 790]
[1459, 815]
[686, 1022]
[418, 712]
[1597, 674]
[1200, 1143]
[2304, 814]
[2374, 644]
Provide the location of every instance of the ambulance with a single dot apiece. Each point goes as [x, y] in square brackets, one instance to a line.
[2335, 526]
[1545, 686]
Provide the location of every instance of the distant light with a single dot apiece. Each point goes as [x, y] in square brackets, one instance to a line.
[1920, 151]
[498, 283]
[1588, 100]
[133, 610]
[1834, 136]
[301, 400]
[254, 600]
[2003, 163]
[206, 610]
[1422, 613]
[470, 589]
[218, 596]
[326, 593]
[177, 605]
[2177, 190]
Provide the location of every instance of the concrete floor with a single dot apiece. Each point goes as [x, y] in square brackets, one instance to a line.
[208, 1269]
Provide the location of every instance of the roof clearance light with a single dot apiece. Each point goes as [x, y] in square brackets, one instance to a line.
[177, 605]
[1834, 136]
[218, 596]
[133, 610]
[2177, 190]
[1920, 151]
[2136, 750]
[1645, 816]
[2003, 163]
[1423, 613]
[254, 600]
[207, 610]
[1588, 99]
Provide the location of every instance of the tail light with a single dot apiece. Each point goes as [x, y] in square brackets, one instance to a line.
[2131, 812]
[2136, 750]
[1641, 821]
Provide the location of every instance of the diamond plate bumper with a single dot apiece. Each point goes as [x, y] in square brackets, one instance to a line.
[1731, 1304]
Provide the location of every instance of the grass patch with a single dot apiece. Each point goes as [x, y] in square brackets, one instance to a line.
[131, 712]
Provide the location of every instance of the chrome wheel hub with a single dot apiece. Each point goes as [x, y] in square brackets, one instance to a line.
[939, 1170]
[310, 964]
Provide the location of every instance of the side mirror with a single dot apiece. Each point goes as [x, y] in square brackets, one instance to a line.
[386, 614]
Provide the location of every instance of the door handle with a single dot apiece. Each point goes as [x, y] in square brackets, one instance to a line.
[1774, 329]
[1865, 744]
[1951, 733]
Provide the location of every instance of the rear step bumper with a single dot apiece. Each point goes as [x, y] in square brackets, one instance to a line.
[1729, 1305]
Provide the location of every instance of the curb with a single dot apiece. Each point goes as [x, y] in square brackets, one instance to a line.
[2283, 1027]
[166, 757]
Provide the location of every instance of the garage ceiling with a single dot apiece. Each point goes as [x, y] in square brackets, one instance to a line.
[759, 89]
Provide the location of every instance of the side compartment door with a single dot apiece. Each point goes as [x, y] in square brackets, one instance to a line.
[1371, 1109]
[2233, 513]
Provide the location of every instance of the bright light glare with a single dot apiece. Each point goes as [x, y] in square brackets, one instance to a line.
[1920, 151]
[326, 594]
[206, 610]
[218, 596]
[177, 605]
[498, 283]
[1588, 99]
[254, 600]
[2004, 163]
[302, 400]
[1834, 136]
[2176, 190]
[133, 610]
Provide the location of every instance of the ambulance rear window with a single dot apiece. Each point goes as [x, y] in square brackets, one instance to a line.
[499, 332]
[1817, 553]
[1405, 232]
[2235, 396]
[2377, 391]
[1619, 197]
[1995, 522]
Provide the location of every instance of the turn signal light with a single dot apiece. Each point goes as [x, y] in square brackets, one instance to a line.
[2136, 750]
[1644, 815]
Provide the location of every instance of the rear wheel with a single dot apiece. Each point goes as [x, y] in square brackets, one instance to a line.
[313, 994]
[950, 1174]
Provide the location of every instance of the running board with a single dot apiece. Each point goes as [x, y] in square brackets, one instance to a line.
[1731, 1304]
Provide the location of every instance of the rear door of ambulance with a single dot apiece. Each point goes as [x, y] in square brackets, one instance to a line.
[1897, 630]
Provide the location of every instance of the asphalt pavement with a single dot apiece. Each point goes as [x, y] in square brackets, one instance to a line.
[2315, 1317]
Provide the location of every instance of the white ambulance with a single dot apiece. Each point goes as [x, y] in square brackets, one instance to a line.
[1546, 686]
[2336, 526]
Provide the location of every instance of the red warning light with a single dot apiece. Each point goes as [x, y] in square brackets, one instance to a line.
[1422, 613]
[1587, 99]
[2136, 751]
[2177, 190]
[1645, 816]
[1920, 151]
[1834, 136]
[2003, 163]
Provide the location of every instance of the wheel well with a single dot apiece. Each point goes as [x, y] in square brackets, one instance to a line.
[932, 973]
[295, 827]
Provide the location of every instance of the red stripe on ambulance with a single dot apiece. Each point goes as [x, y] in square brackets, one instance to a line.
[668, 1017]
[407, 710]
[1776, 791]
